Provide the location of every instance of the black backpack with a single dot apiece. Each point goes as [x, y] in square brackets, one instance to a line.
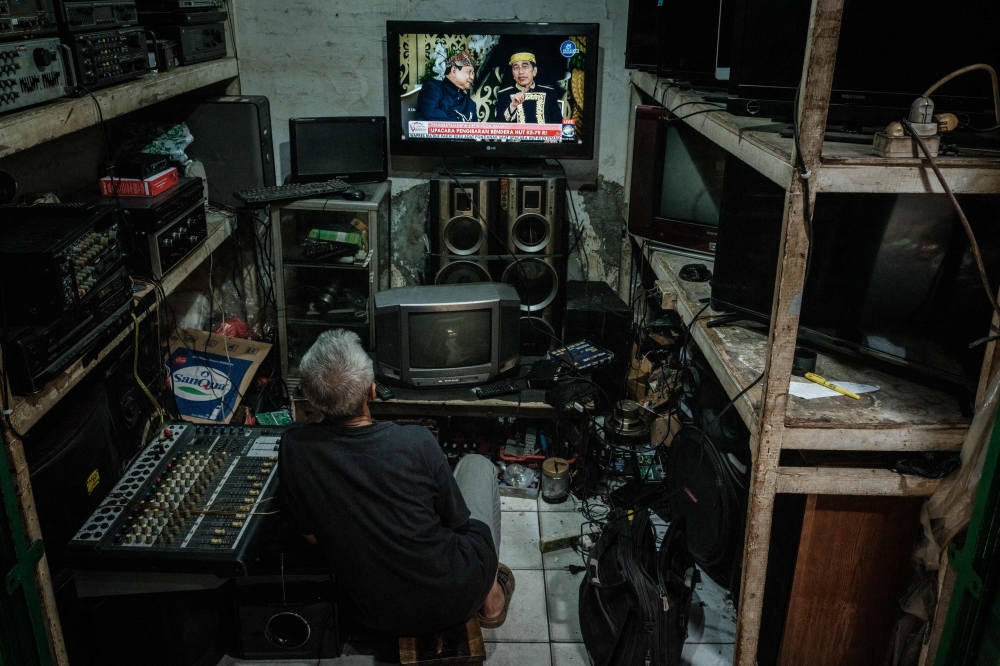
[634, 602]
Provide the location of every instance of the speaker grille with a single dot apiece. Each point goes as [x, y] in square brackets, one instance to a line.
[462, 272]
[464, 235]
[536, 282]
[531, 232]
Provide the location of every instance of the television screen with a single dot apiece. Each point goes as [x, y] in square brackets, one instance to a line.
[891, 276]
[351, 148]
[446, 340]
[504, 89]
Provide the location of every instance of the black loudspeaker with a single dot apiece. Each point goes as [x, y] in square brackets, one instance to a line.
[462, 226]
[290, 617]
[232, 138]
[596, 313]
[73, 465]
[532, 210]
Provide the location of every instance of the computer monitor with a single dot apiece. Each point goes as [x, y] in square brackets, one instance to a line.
[476, 89]
[351, 148]
[447, 335]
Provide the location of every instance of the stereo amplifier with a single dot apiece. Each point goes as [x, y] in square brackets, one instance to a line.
[180, 5]
[156, 252]
[56, 254]
[197, 43]
[31, 72]
[26, 18]
[109, 56]
[87, 16]
[35, 355]
[192, 502]
[156, 19]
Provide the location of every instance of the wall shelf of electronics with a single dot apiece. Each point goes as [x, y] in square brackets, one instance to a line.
[893, 309]
[893, 298]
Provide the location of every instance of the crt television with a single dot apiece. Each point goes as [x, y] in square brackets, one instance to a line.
[447, 335]
[433, 112]
[675, 193]
[351, 148]
[891, 276]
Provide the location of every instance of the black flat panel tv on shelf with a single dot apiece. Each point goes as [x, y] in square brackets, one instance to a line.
[494, 90]
[891, 276]
[876, 78]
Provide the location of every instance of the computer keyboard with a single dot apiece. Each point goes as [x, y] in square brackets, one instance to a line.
[268, 195]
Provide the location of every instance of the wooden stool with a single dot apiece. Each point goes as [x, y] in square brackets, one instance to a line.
[459, 645]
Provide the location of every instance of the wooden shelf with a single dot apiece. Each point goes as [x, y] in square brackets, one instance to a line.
[901, 416]
[29, 409]
[31, 127]
[849, 481]
[846, 167]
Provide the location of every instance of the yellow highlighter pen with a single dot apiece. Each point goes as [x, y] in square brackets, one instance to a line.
[833, 387]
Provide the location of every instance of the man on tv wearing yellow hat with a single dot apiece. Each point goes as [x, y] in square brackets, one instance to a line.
[527, 101]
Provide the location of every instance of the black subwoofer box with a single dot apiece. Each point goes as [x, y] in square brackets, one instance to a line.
[290, 617]
[596, 313]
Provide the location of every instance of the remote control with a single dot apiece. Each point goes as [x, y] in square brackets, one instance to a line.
[484, 393]
[383, 392]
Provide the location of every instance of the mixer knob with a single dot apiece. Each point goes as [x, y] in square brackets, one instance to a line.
[170, 539]
[237, 523]
[241, 516]
[220, 532]
[129, 538]
[149, 539]
[216, 542]
[254, 493]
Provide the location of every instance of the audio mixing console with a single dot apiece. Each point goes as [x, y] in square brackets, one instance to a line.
[192, 502]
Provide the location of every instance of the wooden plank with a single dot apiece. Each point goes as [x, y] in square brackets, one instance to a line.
[766, 152]
[852, 568]
[25, 129]
[809, 437]
[852, 481]
[847, 167]
[817, 81]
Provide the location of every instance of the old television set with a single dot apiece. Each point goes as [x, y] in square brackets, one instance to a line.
[891, 278]
[566, 68]
[447, 335]
[675, 193]
[350, 148]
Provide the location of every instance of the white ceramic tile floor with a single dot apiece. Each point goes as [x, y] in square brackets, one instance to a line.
[545, 606]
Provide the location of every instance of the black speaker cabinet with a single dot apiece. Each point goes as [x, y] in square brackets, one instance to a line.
[132, 413]
[533, 213]
[462, 229]
[595, 312]
[293, 618]
[232, 138]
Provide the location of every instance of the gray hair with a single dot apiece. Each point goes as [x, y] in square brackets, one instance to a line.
[337, 374]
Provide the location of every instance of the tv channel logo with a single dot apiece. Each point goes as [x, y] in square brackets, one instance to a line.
[568, 49]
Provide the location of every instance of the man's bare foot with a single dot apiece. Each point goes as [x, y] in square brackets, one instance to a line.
[494, 601]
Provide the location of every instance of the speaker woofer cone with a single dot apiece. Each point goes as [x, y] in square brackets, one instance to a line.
[287, 630]
[536, 282]
[531, 232]
[462, 272]
[463, 235]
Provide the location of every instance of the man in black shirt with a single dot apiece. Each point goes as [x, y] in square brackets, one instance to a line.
[414, 546]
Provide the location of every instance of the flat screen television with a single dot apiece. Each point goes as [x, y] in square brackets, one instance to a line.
[447, 335]
[891, 276]
[675, 192]
[351, 148]
[876, 78]
[494, 90]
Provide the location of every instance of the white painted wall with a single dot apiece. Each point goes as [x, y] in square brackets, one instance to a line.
[327, 58]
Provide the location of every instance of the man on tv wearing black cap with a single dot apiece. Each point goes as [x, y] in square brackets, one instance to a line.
[449, 99]
[527, 101]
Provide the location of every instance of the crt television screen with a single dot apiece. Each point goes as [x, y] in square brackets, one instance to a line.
[506, 88]
[338, 147]
[446, 340]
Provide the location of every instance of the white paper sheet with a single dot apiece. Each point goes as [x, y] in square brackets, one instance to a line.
[811, 390]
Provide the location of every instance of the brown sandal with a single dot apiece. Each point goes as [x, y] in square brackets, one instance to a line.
[506, 579]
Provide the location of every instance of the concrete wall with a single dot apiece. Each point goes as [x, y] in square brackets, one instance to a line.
[327, 58]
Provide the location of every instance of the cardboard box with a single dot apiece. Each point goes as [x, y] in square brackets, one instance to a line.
[209, 372]
[133, 187]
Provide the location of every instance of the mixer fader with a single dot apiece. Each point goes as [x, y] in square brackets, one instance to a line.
[191, 502]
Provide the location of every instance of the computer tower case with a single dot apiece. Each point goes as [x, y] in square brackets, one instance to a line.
[232, 138]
